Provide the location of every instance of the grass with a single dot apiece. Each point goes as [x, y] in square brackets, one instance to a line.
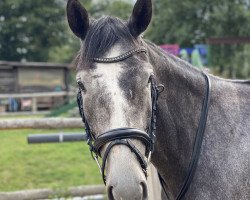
[24, 166]
[62, 109]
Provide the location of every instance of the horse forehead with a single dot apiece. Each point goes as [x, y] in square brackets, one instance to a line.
[115, 73]
[114, 51]
[110, 72]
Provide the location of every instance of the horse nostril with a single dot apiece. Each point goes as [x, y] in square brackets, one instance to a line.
[144, 190]
[110, 193]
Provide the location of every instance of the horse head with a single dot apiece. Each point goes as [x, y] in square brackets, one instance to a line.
[117, 92]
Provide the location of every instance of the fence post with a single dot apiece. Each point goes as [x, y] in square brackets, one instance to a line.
[34, 104]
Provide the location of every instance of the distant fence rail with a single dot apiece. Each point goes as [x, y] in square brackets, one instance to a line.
[35, 96]
[80, 191]
[56, 138]
[41, 94]
[43, 123]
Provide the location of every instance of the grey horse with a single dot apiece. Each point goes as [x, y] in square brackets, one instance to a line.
[118, 94]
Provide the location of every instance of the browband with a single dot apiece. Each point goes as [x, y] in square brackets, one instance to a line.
[121, 57]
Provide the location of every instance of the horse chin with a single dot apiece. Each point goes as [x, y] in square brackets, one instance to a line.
[125, 178]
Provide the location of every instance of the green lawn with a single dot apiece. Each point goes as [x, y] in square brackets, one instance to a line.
[24, 166]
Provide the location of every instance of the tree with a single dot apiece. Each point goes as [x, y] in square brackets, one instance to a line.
[192, 21]
[67, 51]
[29, 29]
[38, 30]
[116, 8]
[229, 19]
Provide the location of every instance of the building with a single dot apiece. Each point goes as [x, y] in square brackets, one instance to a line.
[32, 85]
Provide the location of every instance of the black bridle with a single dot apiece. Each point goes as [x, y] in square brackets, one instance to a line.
[122, 136]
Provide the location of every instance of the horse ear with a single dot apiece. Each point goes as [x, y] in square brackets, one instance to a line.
[141, 17]
[78, 18]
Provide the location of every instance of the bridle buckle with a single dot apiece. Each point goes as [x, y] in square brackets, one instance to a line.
[98, 163]
[149, 157]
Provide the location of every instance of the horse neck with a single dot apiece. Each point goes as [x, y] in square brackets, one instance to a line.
[179, 108]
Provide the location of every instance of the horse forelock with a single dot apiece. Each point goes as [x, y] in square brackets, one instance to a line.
[103, 35]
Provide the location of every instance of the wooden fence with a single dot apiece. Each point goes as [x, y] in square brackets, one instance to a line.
[41, 123]
[80, 191]
[35, 96]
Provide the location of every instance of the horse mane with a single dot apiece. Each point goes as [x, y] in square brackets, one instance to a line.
[167, 59]
[185, 66]
[247, 82]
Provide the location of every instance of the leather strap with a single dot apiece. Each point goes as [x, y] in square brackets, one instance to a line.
[121, 57]
[197, 143]
[122, 133]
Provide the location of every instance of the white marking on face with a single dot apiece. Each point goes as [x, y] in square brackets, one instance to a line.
[110, 78]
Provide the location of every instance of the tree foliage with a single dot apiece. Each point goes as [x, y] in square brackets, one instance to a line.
[116, 8]
[28, 29]
[38, 31]
[192, 22]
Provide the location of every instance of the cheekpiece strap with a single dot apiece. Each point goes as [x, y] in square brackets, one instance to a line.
[87, 128]
[155, 92]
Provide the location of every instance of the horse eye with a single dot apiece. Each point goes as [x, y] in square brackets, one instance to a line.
[81, 85]
[149, 81]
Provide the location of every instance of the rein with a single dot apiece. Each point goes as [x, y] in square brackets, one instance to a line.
[197, 144]
[122, 136]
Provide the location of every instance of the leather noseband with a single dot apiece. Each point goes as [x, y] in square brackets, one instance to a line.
[122, 133]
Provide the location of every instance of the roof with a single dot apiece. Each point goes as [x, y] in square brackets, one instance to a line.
[35, 64]
[229, 40]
